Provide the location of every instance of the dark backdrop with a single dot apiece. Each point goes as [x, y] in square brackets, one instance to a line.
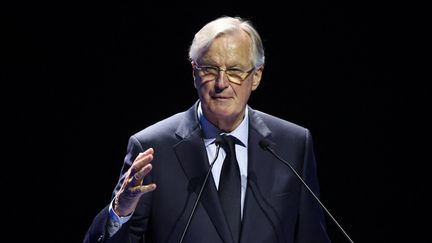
[83, 78]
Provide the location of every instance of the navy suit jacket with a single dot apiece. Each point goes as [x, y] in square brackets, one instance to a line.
[277, 207]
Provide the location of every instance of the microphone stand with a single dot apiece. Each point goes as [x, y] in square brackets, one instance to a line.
[218, 143]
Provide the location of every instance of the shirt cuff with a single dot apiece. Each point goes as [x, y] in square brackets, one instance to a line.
[115, 222]
[115, 217]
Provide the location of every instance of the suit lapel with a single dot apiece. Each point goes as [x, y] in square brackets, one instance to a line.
[261, 171]
[192, 156]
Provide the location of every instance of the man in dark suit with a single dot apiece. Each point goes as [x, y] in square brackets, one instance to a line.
[166, 164]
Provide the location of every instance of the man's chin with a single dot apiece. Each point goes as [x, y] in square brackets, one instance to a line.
[221, 109]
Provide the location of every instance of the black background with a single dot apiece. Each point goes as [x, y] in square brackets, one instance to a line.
[81, 78]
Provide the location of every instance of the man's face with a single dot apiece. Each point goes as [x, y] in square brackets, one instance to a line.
[223, 98]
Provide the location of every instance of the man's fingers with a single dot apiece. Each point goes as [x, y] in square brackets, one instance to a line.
[126, 200]
[141, 160]
[139, 175]
[145, 153]
[132, 188]
[137, 191]
[148, 188]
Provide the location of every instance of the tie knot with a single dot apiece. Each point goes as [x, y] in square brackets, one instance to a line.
[228, 141]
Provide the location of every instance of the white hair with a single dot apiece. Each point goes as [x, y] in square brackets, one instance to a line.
[223, 25]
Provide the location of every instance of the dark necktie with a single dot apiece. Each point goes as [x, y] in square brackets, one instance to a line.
[230, 187]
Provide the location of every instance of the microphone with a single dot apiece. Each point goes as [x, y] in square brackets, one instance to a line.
[265, 145]
[218, 142]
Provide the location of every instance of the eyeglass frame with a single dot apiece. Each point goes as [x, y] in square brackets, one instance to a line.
[198, 67]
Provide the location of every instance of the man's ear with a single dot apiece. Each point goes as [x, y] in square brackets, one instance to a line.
[193, 74]
[256, 79]
[194, 78]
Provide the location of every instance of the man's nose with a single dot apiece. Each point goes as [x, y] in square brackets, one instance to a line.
[222, 80]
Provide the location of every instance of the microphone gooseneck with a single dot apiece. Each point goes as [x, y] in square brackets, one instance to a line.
[265, 145]
[218, 142]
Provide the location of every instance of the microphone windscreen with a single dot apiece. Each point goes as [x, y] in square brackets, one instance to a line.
[218, 140]
[264, 143]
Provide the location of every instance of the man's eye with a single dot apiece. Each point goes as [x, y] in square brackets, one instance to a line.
[234, 71]
[210, 69]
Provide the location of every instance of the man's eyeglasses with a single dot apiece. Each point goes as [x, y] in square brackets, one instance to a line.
[234, 75]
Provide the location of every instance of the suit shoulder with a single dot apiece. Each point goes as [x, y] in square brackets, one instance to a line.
[161, 128]
[275, 123]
